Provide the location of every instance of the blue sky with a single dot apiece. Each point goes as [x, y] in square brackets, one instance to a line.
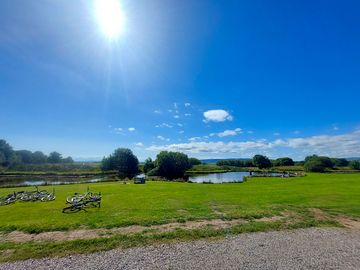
[213, 79]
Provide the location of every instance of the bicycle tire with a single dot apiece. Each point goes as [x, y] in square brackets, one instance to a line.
[71, 209]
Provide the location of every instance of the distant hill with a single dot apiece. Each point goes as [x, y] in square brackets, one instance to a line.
[353, 158]
[214, 160]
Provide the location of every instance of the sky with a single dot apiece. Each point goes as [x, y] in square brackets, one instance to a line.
[212, 79]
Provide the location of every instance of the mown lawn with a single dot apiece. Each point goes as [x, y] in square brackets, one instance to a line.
[162, 202]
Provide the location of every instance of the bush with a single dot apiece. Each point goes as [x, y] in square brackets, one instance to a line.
[355, 164]
[236, 162]
[194, 161]
[153, 172]
[317, 163]
[340, 162]
[148, 165]
[314, 165]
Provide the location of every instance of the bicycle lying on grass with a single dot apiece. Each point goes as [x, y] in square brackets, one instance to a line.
[80, 202]
[26, 196]
[37, 195]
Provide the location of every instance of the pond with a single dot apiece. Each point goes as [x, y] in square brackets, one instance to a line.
[218, 178]
[39, 181]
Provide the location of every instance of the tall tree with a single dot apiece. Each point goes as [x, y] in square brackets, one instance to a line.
[54, 157]
[262, 162]
[25, 156]
[124, 161]
[172, 164]
[148, 165]
[39, 157]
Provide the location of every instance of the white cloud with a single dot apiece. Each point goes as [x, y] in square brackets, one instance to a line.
[187, 104]
[140, 144]
[344, 145]
[118, 129]
[181, 132]
[250, 132]
[176, 116]
[175, 106]
[217, 116]
[180, 125]
[296, 132]
[192, 139]
[131, 129]
[163, 125]
[187, 114]
[226, 133]
[163, 138]
[157, 111]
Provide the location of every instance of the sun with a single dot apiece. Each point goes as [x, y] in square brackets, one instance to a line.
[110, 17]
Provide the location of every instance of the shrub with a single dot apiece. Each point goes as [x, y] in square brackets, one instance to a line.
[355, 164]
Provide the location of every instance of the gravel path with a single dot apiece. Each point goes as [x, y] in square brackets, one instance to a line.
[317, 248]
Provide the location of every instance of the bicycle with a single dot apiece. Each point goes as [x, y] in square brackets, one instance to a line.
[42, 195]
[80, 202]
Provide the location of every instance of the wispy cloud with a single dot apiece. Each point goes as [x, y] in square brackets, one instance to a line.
[187, 104]
[192, 139]
[162, 138]
[344, 145]
[227, 133]
[139, 144]
[217, 116]
[164, 125]
[131, 129]
[157, 111]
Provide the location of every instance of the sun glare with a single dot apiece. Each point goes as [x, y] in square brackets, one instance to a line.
[110, 17]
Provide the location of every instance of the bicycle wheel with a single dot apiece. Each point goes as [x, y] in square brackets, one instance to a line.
[74, 198]
[71, 209]
[47, 198]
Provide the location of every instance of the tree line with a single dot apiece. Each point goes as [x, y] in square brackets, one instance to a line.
[10, 157]
[170, 165]
[312, 163]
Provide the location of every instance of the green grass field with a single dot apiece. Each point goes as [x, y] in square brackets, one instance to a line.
[163, 202]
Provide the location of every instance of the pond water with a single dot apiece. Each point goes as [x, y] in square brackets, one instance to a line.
[31, 181]
[218, 178]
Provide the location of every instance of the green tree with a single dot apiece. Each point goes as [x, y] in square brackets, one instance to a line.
[8, 153]
[54, 157]
[25, 156]
[148, 165]
[262, 162]
[355, 164]
[316, 163]
[172, 164]
[67, 160]
[39, 157]
[2, 158]
[124, 161]
[285, 161]
[194, 161]
[340, 162]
